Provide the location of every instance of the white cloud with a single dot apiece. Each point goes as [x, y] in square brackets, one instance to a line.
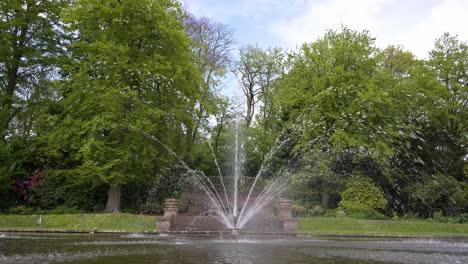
[223, 11]
[318, 17]
[412, 23]
[447, 16]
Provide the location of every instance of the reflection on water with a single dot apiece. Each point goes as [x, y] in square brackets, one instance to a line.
[145, 248]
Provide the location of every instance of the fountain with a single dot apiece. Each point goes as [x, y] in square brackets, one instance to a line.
[230, 208]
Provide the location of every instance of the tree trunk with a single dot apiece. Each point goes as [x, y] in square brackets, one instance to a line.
[113, 199]
[325, 195]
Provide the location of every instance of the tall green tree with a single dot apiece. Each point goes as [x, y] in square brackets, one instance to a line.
[130, 80]
[434, 157]
[211, 44]
[449, 61]
[31, 46]
[32, 42]
[341, 102]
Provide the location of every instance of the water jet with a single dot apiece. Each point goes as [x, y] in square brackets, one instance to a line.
[232, 208]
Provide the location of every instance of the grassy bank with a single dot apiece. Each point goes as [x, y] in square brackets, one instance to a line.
[127, 222]
[323, 225]
[314, 225]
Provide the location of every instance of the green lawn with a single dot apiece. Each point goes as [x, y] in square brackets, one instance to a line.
[343, 225]
[313, 225]
[127, 222]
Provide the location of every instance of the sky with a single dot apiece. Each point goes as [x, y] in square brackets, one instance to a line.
[413, 24]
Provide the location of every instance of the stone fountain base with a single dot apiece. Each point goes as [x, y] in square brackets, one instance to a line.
[265, 222]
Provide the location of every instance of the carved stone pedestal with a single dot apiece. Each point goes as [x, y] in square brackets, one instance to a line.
[285, 214]
[170, 212]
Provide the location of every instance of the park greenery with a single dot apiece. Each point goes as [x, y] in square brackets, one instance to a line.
[316, 226]
[90, 89]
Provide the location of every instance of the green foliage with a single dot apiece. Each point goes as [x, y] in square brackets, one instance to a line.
[362, 199]
[316, 210]
[463, 218]
[438, 193]
[6, 167]
[303, 211]
[330, 213]
[362, 212]
[331, 86]
[381, 113]
[62, 209]
[22, 210]
[60, 188]
[31, 47]
[89, 87]
[130, 84]
[438, 217]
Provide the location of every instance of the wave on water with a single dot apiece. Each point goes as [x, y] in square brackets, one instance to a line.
[133, 242]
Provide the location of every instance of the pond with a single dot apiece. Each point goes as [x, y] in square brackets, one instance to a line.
[154, 248]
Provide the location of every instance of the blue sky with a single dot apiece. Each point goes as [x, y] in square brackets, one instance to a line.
[414, 24]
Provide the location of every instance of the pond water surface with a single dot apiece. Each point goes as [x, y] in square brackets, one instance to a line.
[139, 248]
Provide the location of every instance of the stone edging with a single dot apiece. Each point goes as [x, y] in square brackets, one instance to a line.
[299, 234]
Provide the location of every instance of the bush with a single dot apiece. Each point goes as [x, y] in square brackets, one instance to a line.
[439, 192]
[299, 210]
[330, 213]
[362, 199]
[183, 203]
[438, 217]
[63, 209]
[362, 212]
[22, 210]
[316, 210]
[411, 216]
[463, 218]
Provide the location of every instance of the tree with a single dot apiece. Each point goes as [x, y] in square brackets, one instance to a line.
[328, 94]
[32, 42]
[131, 80]
[438, 192]
[331, 86]
[211, 43]
[257, 70]
[347, 101]
[224, 117]
[434, 155]
[31, 47]
[449, 61]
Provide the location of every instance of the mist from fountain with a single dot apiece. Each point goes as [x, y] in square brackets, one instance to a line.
[219, 199]
[230, 215]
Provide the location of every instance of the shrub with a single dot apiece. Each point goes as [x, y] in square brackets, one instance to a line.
[63, 209]
[329, 213]
[22, 210]
[183, 203]
[316, 210]
[299, 210]
[363, 199]
[438, 217]
[411, 216]
[360, 211]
